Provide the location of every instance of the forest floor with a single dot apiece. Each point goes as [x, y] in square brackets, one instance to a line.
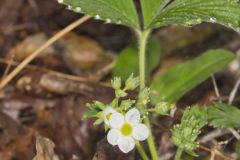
[48, 97]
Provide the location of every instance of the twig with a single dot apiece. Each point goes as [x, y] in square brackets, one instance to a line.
[104, 70]
[168, 155]
[231, 98]
[235, 133]
[214, 134]
[216, 152]
[213, 155]
[234, 92]
[8, 66]
[215, 86]
[26, 61]
[52, 72]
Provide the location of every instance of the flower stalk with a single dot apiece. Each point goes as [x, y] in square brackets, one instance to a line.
[141, 151]
[143, 38]
[178, 154]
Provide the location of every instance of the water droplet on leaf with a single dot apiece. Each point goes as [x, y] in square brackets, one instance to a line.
[78, 9]
[213, 20]
[191, 22]
[97, 17]
[60, 1]
[119, 22]
[69, 7]
[108, 20]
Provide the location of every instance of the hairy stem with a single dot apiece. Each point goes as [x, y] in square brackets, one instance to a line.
[178, 154]
[141, 151]
[150, 141]
[143, 37]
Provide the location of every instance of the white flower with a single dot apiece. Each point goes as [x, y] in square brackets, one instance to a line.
[107, 114]
[125, 130]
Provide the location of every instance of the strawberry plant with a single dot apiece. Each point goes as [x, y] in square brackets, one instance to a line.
[128, 121]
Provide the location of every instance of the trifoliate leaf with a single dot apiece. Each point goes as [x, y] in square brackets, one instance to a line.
[111, 11]
[222, 115]
[184, 135]
[191, 12]
[151, 10]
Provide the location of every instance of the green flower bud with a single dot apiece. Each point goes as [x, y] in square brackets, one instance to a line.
[120, 93]
[143, 97]
[116, 83]
[132, 83]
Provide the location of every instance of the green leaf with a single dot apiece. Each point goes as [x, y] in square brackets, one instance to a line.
[127, 62]
[115, 11]
[96, 106]
[151, 9]
[191, 12]
[98, 121]
[178, 80]
[89, 114]
[184, 135]
[224, 116]
[153, 54]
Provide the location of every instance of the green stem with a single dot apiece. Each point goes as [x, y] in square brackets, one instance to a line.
[178, 154]
[150, 141]
[141, 151]
[143, 37]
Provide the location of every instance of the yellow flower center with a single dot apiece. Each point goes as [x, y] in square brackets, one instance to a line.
[126, 129]
[108, 115]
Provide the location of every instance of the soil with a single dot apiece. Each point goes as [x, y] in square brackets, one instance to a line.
[45, 101]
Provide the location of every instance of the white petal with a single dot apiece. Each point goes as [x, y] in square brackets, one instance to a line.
[116, 120]
[126, 144]
[133, 116]
[113, 136]
[106, 112]
[140, 132]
